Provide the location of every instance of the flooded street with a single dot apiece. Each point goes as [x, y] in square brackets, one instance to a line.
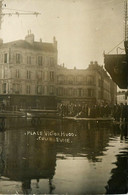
[54, 156]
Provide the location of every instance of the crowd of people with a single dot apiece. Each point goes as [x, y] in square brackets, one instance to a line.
[118, 112]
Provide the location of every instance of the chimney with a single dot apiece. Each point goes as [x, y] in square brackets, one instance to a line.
[30, 37]
[96, 63]
[1, 41]
[55, 42]
[91, 63]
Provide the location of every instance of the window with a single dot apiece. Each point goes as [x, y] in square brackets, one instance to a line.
[70, 79]
[4, 87]
[80, 79]
[70, 91]
[17, 74]
[28, 74]
[47, 61]
[51, 90]
[61, 79]
[84, 92]
[28, 89]
[39, 75]
[75, 92]
[40, 61]
[51, 76]
[52, 62]
[18, 58]
[39, 89]
[16, 88]
[28, 59]
[90, 80]
[5, 73]
[60, 91]
[90, 92]
[79, 92]
[5, 58]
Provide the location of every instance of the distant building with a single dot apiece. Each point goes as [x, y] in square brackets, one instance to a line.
[31, 77]
[122, 97]
[91, 85]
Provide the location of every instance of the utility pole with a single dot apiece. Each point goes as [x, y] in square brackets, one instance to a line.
[126, 50]
[126, 34]
[126, 26]
[17, 13]
[0, 13]
[126, 19]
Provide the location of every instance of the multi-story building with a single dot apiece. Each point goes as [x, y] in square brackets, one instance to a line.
[31, 77]
[27, 72]
[91, 85]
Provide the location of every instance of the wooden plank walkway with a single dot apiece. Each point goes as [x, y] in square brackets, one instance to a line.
[90, 119]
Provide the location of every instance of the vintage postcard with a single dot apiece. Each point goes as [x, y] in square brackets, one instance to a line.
[63, 97]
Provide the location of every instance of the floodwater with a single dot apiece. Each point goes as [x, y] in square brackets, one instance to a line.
[50, 156]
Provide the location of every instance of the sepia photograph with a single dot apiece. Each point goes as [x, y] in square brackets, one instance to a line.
[63, 97]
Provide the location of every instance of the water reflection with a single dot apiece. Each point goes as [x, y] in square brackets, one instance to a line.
[26, 159]
[118, 183]
[32, 152]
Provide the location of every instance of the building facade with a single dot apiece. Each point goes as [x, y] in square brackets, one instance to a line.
[31, 77]
[122, 97]
[27, 72]
[91, 85]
